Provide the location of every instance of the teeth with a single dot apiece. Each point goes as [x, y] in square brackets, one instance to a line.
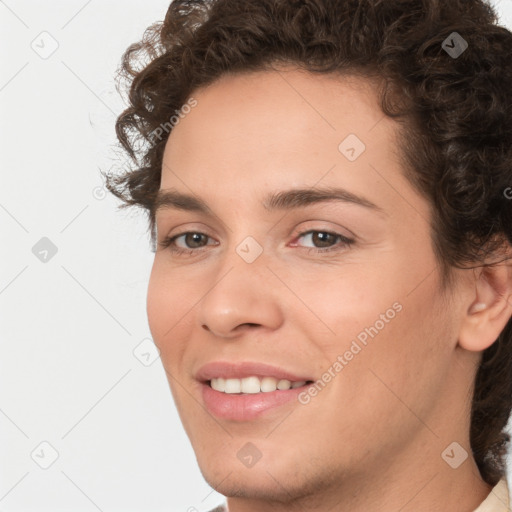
[251, 385]
[232, 386]
[218, 384]
[284, 384]
[268, 384]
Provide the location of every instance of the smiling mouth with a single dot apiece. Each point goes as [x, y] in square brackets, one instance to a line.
[254, 385]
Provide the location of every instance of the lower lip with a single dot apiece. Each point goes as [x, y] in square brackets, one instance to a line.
[246, 407]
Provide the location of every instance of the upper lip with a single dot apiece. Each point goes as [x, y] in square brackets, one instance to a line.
[239, 370]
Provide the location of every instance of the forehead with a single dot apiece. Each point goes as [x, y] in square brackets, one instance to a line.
[254, 133]
[295, 98]
[248, 118]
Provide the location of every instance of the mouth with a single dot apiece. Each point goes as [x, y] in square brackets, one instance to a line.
[254, 384]
[246, 391]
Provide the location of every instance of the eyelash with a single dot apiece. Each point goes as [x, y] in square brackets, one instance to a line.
[168, 243]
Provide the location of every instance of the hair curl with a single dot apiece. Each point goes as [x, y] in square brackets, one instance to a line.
[455, 116]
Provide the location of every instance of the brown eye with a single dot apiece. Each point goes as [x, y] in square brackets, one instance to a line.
[323, 238]
[193, 240]
[324, 241]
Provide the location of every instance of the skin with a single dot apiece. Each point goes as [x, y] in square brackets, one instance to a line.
[372, 439]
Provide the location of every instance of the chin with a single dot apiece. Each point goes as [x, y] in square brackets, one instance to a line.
[250, 484]
[278, 482]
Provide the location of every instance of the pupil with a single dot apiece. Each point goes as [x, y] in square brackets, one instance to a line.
[193, 238]
[323, 237]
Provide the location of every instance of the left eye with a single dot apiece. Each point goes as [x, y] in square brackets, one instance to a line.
[326, 239]
[193, 241]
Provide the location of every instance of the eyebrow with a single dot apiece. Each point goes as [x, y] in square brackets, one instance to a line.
[282, 200]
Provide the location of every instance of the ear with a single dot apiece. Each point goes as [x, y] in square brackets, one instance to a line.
[490, 308]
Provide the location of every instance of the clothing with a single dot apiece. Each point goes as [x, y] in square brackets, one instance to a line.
[498, 500]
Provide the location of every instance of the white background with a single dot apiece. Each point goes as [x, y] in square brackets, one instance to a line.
[69, 326]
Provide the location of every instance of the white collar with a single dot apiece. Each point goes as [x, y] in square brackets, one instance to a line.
[497, 500]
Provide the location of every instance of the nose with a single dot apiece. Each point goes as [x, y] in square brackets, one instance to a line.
[242, 296]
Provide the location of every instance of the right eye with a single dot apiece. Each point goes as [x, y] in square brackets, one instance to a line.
[190, 238]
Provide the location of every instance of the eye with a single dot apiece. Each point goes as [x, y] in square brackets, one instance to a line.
[325, 239]
[192, 239]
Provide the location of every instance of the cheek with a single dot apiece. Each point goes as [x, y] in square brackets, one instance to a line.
[377, 324]
[347, 306]
[156, 306]
[404, 361]
[167, 304]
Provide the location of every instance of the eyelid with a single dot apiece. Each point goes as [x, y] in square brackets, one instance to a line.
[319, 225]
[328, 231]
[184, 228]
[295, 233]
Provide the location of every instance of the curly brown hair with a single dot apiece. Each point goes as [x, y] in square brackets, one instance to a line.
[454, 110]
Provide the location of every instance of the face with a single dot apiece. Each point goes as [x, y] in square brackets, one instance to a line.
[340, 292]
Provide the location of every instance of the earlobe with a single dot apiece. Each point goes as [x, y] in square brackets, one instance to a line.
[490, 309]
